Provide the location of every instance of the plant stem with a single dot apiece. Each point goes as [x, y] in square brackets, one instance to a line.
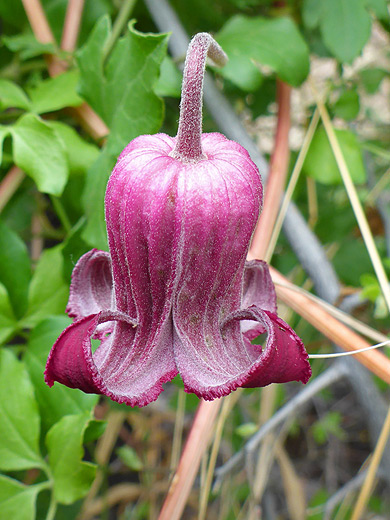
[277, 175]
[370, 476]
[72, 22]
[354, 200]
[120, 22]
[9, 185]
[197, 442]
[61, 213]
[188, 146]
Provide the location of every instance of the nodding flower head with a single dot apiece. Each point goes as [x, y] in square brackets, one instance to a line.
[175, 293]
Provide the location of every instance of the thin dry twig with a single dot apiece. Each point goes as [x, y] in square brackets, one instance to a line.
[10, 183]
[344, 337]
[354, 199]
[367, 487]
[40, 26]
[194, 449]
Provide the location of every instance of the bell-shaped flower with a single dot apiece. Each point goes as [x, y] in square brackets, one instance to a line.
[175, 293]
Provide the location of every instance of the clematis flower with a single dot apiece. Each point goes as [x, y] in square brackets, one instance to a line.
[175, 293]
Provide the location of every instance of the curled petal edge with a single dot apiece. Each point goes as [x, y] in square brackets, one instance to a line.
[71, 361]
[283, 359]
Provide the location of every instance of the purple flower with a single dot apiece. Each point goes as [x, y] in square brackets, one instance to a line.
[175, 294]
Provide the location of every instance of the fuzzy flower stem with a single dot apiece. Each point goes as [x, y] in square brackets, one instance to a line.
[188, 144]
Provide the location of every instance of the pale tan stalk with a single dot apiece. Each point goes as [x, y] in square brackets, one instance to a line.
[354, 200]
[374, 360]
[194, 449]
[368, 485]
[40, 26]
[291, 185]
[72, 22]
[277, 176]
[10, 183]
[227, 405]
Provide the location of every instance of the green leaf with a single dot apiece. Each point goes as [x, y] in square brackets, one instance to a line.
[348, 105]
[311, 13]
[72, 477]
[11, 95]
[94, 232]
[130, 458]
[120, 90]
[169, 82]
[27, 45]
[321, 164]
[80, 154]
[275, 43]
[15, 271]
[55, 93]
[17, 501]
[40, 153]
[59, 400]
[8, 324]
[246, 430]
[379, 7]
[345, 28]
[372, 78]
[19, 425]
[4, 132]
[48, 293]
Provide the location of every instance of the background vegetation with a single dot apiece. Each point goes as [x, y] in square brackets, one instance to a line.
[307, 91]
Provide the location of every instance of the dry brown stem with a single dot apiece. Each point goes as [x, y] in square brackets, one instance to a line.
[277, 176]
[332, 328]
[72, 22]
[40, 26]
[10, 183]
[194, 449]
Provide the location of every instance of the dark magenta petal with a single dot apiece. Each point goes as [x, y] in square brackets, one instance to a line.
[230, 361]
[258, 288]
[91, 287]
[116, 369]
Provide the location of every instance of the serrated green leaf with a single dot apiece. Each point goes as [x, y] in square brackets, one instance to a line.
[345, 28]
[48, 292]
[321, 165]
[72, 477]
[55, 93]
[348, 105]
[11, 95]
[26, 44]
[17, 501]
[80, 154]
[120, 89]
[40, 153]
[19, 425]
[275, 43]
[15, 270]
[59, 400]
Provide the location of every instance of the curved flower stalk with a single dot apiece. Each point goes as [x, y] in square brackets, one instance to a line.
[174, 294]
